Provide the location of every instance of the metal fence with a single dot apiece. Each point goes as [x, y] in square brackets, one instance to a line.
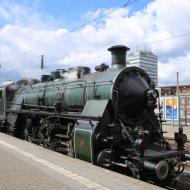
[176, 111]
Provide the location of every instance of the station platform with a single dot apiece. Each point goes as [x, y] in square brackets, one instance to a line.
[24, 165]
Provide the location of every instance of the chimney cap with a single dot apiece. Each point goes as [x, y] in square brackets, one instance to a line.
[119, 48]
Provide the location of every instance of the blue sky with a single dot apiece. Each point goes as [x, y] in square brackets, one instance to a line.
[68, 13]
[83, 6]
[29, 28]
[53, 7]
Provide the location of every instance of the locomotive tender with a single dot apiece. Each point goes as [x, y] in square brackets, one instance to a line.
[106, 118]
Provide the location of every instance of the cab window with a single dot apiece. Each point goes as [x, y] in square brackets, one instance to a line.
[1, 94]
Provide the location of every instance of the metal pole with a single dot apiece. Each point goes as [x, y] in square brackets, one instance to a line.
[42, 62]
[172, 110]
[185, 108]
[178, 95]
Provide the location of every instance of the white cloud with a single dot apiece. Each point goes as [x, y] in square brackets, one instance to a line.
[86, 59]
[168, 70]
[24, 39]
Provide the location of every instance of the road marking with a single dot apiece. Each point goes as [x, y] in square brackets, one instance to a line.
[74, 176]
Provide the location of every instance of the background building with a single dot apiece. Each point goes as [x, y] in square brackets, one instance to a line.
[172, 90]
[184, 101]
[146, 60]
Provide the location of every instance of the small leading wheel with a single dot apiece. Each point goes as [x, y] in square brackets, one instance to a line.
[28, 130]
[104, 159]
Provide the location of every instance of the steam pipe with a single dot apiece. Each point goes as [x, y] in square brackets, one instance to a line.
[161, 168]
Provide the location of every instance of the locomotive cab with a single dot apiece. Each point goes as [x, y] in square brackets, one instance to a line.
[2, 103]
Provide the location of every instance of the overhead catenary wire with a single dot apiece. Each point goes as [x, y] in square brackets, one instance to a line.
[94, 20]
[98, 18]
[75, 29]
[67, 9]
[149, 43]
[145, 44]
[167, 39]
[173, 11]
[64, 11]
[142, 45]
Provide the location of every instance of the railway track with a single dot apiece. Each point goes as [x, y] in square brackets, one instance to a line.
[185, 177]
[187, 145]
[172, 142]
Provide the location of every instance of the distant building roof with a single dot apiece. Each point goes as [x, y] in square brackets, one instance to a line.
[142, 52]
[173, 86]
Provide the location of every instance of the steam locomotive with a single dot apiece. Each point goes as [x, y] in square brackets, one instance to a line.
[106, 118]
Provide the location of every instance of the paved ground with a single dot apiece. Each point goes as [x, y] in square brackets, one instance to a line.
[170, 130]
[26, 166]
[14, 174]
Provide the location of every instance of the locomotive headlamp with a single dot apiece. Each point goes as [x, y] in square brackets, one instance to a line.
[155, 94]
[152, 94]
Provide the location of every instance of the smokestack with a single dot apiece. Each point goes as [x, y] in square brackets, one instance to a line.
[118, 53]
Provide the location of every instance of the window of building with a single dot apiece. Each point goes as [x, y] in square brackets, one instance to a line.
[182, 100]
[181, 112]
